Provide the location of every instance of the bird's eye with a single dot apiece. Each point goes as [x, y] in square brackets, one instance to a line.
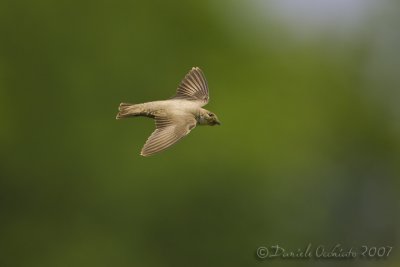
[210, 114]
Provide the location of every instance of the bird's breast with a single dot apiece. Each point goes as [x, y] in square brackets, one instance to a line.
[181, 105]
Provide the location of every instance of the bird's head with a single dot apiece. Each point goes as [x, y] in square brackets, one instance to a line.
[208, 118]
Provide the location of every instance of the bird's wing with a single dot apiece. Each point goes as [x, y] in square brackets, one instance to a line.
[169, 130]
[193, 87]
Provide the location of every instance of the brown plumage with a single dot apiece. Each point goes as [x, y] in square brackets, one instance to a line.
[175, 117]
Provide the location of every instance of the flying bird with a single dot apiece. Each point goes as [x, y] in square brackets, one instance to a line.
[175, 117]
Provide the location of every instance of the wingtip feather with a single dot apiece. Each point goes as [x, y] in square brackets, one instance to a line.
[143, 154]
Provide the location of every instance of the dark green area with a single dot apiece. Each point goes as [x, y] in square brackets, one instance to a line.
[308, 151]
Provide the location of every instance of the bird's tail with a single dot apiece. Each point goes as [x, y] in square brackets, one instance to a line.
[127, 110]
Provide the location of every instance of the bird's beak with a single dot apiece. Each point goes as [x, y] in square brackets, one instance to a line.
[218, 122]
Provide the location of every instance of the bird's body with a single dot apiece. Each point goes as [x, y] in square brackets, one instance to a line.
[171, 107]
[174, 117]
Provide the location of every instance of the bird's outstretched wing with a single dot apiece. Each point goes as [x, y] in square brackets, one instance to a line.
[193, 87]
[169, 130]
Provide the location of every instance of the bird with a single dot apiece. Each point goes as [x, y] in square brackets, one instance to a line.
[174, 117]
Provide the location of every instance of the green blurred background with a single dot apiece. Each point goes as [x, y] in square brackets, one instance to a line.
[309, 150]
